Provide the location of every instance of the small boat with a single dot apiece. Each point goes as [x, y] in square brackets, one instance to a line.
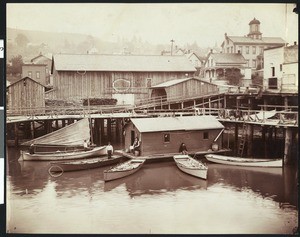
[191, 166]
[65, 155]
[229, 160]
[123, 169]
[83, 164]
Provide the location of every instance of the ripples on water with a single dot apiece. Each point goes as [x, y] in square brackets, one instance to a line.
[157, 199]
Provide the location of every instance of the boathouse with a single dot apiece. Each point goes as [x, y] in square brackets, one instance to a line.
[126, 78]
[24, 95]
[163, 135]
[184, 87]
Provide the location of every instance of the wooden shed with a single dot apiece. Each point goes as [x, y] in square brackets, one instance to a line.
[25, 95]
[124, 77]
[186, 87]
[165, 134]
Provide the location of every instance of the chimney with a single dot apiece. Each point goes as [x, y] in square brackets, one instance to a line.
[239, 51]
[295, 42]
[211, 51]
[225, 35]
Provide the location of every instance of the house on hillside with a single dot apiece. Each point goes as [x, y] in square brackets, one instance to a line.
[164, 135]
[127, 78]
[42, 59]
[252, 45]
[218, 64]
[36, 72]
[182, 88]
[281, 69]
[24, 95]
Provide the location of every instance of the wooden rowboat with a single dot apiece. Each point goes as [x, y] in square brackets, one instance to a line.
[123, 169]
[229, 160]
[83, 164]
[65, 155]
[191, 166]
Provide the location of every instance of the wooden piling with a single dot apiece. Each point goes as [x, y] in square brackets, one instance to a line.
[16, 129]
[102, 134]
[109, 129]
[236, 138]
[287, 145]
[249, 140]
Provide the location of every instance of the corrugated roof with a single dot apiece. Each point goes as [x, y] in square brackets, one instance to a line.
[264, 40]
[132, 63]
[176, 123]
[234, 58]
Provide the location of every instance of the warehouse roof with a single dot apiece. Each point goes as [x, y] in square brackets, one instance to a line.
[132, 63]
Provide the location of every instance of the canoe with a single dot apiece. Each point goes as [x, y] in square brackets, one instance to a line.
[65, 155]
[123, 169]
[191, 166]
[229, 160]
[83, 164]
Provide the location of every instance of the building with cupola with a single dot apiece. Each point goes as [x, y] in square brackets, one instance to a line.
[252, 45]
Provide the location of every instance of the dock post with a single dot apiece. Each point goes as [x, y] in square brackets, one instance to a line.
[249, 139]
[287, 145]
[63, 123]
[96, 131]
[16, 134]
[263, 136]
[101, 138]
[118, 130]
[236, 138]
[32, 129]
[108, 129]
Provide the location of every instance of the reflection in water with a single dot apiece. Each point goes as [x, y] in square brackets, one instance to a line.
[158, 199]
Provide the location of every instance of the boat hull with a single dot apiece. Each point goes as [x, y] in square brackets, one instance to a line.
[228, 160]
[85, 164]
[97, 151]
[113, 173]
[191, 166]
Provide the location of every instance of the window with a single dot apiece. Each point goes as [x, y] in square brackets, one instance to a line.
[247, 62]
[241, 49]
[167, 137]
[205, 135]
[149, 82]
[247, 49]
[30, 74]
[231, 49]
[228, 50]
[254, 63]
[273, 83]
[261, 50]
[273, 71]
[281, 67]
[37, 75]
[253, 49]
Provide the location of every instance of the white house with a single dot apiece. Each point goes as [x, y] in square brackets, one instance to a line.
[281, 69]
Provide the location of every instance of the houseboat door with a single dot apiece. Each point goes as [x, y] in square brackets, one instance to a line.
[132, 136]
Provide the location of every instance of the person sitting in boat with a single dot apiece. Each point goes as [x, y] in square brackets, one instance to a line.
[183, 149]
[85, 145]
[31, 149]
[136, 146]
[110, 150]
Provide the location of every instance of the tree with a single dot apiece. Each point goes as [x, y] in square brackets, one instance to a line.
[16, 64]
[233, 76]
[21, 40]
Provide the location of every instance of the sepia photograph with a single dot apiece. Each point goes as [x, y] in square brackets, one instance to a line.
[151, 118]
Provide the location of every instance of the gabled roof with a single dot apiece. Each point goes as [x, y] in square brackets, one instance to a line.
[249, 40]
[25, 78]
[185, 123]
[125, 63]
[228, 58]
[176, 81]
[39, 58]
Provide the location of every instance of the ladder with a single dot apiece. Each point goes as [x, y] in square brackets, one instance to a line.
[242, 141]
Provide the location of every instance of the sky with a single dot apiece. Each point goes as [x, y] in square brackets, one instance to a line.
[205, 24]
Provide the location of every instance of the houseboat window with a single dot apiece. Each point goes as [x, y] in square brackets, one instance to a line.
[205, 135]
[37, 75]
[149, 82]
[167, 137]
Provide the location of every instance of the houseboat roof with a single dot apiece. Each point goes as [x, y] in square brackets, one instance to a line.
[183, 123]
[122, 63]
[177, 81]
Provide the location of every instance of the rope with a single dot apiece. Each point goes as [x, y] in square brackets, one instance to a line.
[57, 175]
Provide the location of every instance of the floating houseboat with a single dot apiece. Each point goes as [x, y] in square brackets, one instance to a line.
[162, 136]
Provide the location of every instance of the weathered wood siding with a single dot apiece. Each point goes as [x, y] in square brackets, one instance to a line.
[24, 95]
[190, 88]
[73, 85]
[153, 143]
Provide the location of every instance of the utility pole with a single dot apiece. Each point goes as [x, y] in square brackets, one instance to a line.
[172, 41]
